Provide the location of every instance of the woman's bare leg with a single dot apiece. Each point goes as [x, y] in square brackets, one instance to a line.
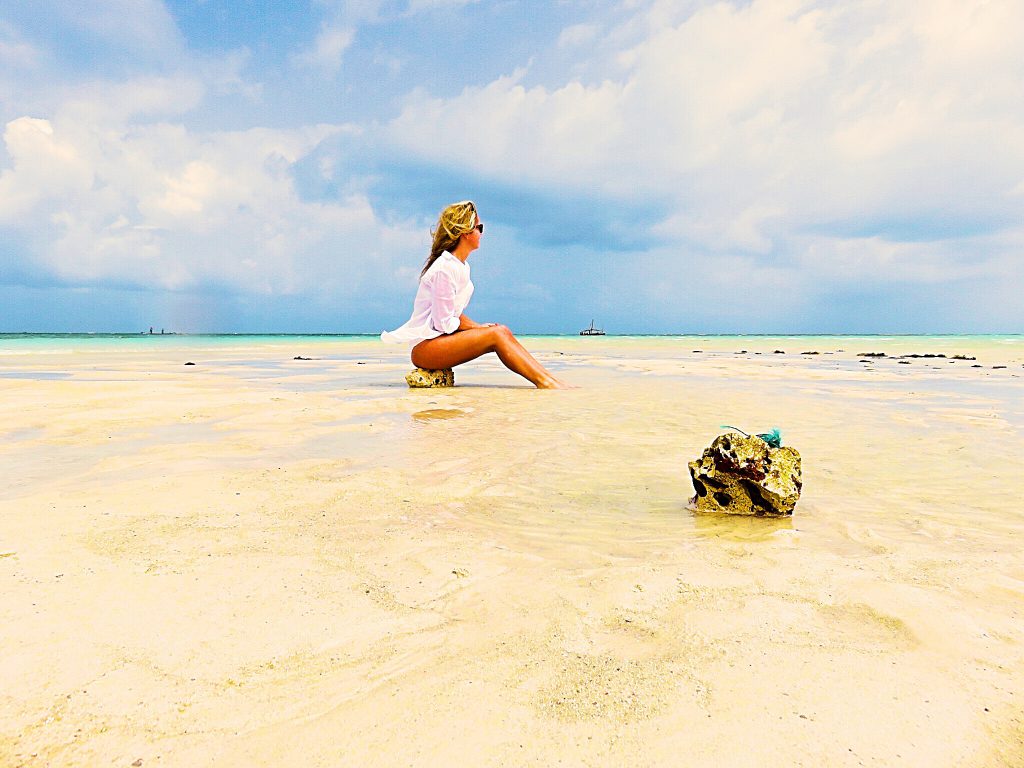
[462, 346]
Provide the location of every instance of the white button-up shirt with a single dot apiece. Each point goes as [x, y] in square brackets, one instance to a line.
[442, 296]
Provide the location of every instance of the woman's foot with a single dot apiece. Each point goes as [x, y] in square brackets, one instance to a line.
[552, 383]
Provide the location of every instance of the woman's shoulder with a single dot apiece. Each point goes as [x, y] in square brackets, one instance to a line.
[446, 263]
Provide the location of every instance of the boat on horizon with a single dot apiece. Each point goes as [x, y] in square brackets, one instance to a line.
[592, 331]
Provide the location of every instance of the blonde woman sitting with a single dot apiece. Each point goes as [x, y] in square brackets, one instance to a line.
[440, 333]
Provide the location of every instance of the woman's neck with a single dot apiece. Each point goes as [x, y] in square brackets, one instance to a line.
[462, 251]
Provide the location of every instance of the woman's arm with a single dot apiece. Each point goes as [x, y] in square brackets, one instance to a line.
[442, 304]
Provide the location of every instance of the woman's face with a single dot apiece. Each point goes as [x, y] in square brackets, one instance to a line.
[474, 235]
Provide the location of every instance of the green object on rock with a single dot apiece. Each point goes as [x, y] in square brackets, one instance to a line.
[773, 438]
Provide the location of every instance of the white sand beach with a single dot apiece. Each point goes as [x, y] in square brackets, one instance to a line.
[257, 560]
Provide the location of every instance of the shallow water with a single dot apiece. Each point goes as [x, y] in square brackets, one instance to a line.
[539, 546]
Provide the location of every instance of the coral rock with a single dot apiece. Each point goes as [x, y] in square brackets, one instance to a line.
[742, 475]
[421, 377]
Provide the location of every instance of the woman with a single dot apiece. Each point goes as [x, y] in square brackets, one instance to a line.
[441, 335]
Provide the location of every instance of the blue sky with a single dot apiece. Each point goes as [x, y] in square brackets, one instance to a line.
[660, 167]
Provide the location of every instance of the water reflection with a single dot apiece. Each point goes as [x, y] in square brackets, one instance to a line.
[432, 414]
[739, 527]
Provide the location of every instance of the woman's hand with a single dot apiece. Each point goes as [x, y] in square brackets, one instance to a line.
[466, 324]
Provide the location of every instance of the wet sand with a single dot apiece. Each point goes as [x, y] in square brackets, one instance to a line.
[258, 560]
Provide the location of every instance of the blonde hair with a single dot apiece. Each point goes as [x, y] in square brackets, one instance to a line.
[455, 221]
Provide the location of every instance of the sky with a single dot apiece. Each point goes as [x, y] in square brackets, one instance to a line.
[233, 166]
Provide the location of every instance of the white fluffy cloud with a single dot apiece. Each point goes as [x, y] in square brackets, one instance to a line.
[786, 144]
[756, 126]
[155, 205]
[110, 182]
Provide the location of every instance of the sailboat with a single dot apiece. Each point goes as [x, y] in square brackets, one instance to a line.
[592, 331]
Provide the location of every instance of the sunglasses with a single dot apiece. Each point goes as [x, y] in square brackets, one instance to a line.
[479, 228]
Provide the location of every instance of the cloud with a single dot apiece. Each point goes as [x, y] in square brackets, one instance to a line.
[577, 34]
[15, 52]
[123, 33]
[328, 49]
[110, 182]
[44, 165]
[648, 159]
[420, 6]
[157, 205]
[138, 98]
[751, 124]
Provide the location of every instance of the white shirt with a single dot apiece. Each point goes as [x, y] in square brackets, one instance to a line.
[443, 294]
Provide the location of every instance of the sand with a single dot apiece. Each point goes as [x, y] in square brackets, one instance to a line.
[257, 560]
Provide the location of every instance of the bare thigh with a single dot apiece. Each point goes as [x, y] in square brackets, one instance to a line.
[454, 348]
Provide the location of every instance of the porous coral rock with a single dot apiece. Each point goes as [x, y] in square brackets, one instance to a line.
[741, 475]
[421, 377]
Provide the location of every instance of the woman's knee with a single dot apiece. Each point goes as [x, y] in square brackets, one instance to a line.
[501, 334]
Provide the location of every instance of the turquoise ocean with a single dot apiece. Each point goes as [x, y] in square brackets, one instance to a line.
[20, 342]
